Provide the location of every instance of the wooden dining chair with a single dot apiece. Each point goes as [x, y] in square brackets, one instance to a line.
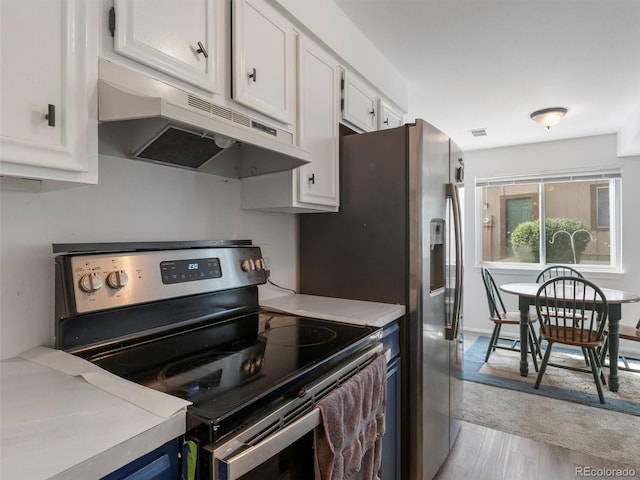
[553, 271]
[499, 316]
[557, 302]
[629, 333]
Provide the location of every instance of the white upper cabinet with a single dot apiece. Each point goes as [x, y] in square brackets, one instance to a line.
[48, 126]
[388, 117]
[318, 99]
[182, 38]
[313, 187]
[359, 103]
[263, 59]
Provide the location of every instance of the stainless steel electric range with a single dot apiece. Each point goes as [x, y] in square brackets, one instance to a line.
[183, 318]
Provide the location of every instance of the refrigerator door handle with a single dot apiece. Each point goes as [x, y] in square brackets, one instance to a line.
[451, 330]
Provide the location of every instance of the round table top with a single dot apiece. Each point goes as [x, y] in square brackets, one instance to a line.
[531, 289]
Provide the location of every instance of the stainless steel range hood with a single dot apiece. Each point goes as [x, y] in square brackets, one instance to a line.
[149, 120]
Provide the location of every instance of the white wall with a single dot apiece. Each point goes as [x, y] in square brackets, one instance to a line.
[134, 201]
[328, 23]
[588, 152]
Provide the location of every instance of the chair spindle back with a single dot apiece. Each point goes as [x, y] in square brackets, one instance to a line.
[496, 305]
[558, 302]
[553, 271]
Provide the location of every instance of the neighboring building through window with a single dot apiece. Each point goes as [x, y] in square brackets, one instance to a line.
[580, 219]
[600, 206]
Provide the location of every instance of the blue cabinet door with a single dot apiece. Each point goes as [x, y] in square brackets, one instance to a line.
[160, 464]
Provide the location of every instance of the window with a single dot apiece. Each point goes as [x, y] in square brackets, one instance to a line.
[580, 220]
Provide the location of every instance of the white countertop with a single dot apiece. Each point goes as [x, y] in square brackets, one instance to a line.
[339, 309]
[59, 425]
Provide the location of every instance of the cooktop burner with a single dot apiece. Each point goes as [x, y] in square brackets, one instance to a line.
[302, 336]
[212, 370]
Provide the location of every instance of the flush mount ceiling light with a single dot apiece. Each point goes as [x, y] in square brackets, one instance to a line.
[548, 117]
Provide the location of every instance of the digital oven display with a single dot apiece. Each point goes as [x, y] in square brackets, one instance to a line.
[178, 271]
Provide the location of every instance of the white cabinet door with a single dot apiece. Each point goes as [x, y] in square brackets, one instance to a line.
[318, 101]
[359, 103]
[263, 62]
[48, 75]
[182, 38]
[389, 117]
[313, 187]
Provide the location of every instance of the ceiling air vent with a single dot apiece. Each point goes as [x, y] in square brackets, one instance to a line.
[479, 132]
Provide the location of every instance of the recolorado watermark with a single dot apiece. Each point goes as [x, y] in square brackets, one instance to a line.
[592, 472]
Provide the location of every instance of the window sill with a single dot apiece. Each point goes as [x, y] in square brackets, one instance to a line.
[529, 270]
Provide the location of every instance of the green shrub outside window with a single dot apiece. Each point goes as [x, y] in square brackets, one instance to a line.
[566, 240]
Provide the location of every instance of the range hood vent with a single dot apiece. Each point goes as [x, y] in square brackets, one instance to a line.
[145, 119]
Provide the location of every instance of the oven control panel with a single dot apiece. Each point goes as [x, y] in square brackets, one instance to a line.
[104, 281]
[190, 270]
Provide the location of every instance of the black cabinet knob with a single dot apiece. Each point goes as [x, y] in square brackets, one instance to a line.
[51, 115]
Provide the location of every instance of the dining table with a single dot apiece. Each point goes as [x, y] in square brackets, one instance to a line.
[527, 292]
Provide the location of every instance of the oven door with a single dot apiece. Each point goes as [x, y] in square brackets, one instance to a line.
[286, 454]
[280, 445]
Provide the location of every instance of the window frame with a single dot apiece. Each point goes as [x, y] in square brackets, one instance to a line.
[615, 216]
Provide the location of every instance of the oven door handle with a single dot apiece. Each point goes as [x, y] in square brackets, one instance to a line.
[232, 468]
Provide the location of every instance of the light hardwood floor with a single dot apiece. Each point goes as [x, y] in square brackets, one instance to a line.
[481, 453]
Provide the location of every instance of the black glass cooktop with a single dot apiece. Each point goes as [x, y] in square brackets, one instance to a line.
[273, 355]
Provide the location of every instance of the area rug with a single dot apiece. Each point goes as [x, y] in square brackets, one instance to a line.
[610, 435]
[503, 370]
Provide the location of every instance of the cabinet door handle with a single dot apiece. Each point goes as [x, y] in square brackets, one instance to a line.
[253, 75]
[51, 115]
[312, 179]
[202, 50]
[372, 112]
[386, 121]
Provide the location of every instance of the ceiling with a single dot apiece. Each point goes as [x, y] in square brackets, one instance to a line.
[473, 64]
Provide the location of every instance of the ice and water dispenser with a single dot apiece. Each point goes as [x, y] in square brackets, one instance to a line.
[437, 254]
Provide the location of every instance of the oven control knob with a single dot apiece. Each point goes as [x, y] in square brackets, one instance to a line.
[90, 282]
[248, 367]
[248, 265]
[258, 361]
[117, 279]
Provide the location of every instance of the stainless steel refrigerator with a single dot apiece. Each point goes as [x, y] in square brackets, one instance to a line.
[397, 239]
